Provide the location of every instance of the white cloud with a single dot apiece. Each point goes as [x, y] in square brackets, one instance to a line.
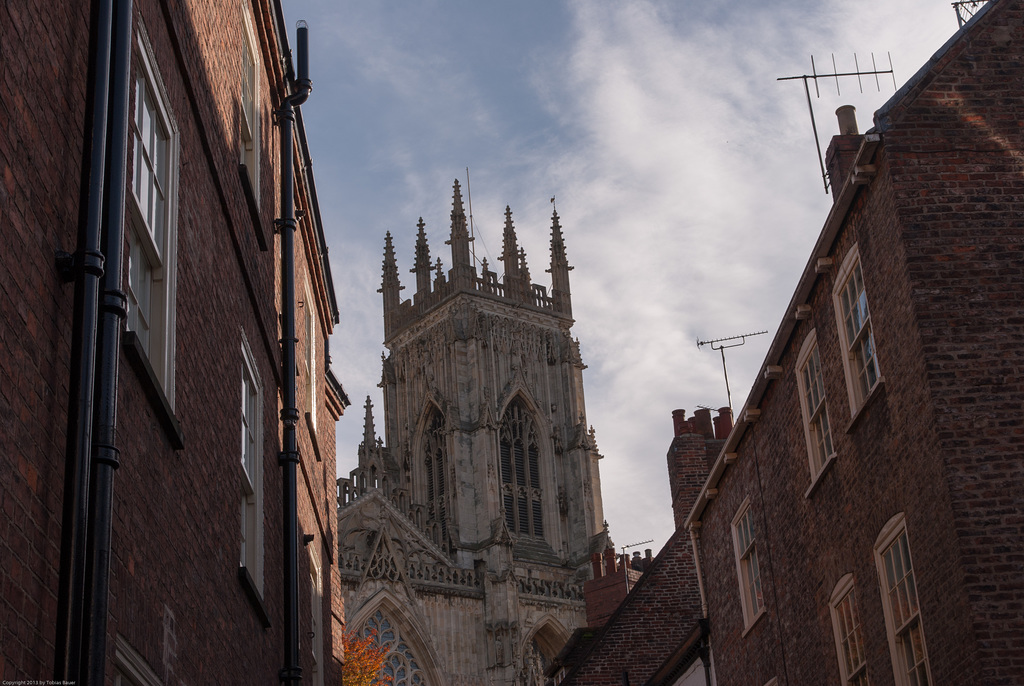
[686, 178]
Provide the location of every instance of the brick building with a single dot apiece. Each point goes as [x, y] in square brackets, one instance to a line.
[861, 523]
[141, 541]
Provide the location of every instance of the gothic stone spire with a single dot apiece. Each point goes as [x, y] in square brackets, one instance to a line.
[422, 266]
[390, 285]
[517, 273]
[462, 264]
[559, 269]
[369, 433]
[510, 248]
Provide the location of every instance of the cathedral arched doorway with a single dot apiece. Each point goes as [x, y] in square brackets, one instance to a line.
[540, 650]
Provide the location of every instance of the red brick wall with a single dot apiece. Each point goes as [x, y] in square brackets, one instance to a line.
[959, 184]
[40, 157]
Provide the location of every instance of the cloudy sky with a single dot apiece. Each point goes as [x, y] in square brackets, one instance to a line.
[685, 174]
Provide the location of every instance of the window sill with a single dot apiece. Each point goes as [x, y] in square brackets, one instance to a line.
[139, 361]
[312, 436]
[254, 596]
[878, 390]
[254, 208]
[753, 622]
[819, 477]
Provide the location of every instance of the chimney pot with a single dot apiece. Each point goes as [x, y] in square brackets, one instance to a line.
[609, 561]
[679, 423]
[702, 423]
[847, 116]
[723, 423]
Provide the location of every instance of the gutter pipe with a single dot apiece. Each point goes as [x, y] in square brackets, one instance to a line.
[113, 313]
[288, 458]
[705, 647]
[694, 537]
[85, 268]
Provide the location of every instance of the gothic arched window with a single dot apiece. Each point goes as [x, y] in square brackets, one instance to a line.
[520, 472]
[400, 663]
[434, 465]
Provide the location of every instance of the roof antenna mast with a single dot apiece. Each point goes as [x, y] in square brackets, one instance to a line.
[965, 9]
[814, 76]
[722, 346]
[472, 235]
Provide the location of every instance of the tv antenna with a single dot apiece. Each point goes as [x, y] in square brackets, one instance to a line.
[965, 9]
[469, 199]
[722, 346]
[814, 76]
[634, 545]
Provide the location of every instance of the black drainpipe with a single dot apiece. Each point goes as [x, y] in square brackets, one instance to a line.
[113, 314]
[85, 268]
[289, 456]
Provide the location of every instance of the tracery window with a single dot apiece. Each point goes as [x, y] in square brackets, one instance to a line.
[400, 663]
[520, 472]
[435, 466]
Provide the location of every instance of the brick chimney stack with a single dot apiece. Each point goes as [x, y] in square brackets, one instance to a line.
[843, 148]
[688, 459]
[614, 576]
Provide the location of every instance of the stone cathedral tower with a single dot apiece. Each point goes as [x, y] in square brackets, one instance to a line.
[465, 536]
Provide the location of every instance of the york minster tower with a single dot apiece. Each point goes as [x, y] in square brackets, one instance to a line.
[465, 534]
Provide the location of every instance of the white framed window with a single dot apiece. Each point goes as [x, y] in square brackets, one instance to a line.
[747, 569]
[899, 600]
[846, 629]
[309, 324]
[316, 640]
[252, 468]
[817, 430]
[249, 105]
[130, 668]
[851, 304]
[152, 219]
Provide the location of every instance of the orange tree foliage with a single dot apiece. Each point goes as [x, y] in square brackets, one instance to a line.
[363, 661]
